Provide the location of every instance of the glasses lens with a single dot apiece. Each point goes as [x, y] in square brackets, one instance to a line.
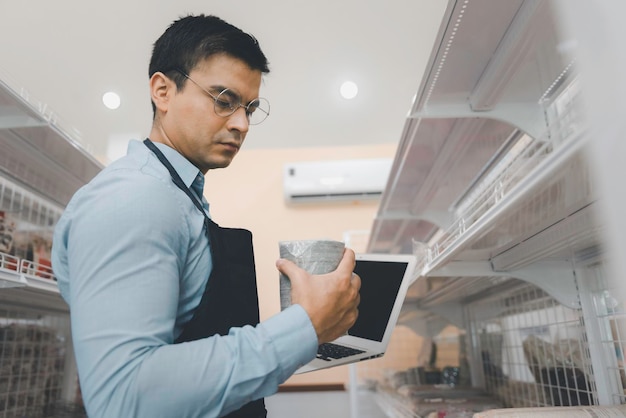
[226, 103]
[258, 110]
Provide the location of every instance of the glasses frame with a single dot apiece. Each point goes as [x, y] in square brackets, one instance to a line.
[233, 109]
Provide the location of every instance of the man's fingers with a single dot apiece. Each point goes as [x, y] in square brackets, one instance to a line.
[347, 262]
[288, 268]
[356, 280]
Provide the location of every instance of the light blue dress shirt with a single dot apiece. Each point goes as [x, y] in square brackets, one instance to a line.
[132, 261]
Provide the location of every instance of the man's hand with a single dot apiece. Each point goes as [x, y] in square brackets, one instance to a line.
[331, 300]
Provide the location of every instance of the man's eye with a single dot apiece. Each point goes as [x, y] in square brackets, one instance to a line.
[252, 106]
[223, 104]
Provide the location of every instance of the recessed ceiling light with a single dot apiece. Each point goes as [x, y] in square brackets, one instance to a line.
[349, 90]
[111, 100]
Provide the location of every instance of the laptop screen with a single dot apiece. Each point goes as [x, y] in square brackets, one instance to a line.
[380, 283]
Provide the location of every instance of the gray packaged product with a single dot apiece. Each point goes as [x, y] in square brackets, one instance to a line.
[314, 256]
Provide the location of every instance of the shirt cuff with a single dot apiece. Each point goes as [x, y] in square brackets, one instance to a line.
[293, 337]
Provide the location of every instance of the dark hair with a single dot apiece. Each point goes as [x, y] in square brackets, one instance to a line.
[192, 39]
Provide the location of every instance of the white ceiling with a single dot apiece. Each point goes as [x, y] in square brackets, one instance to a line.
[67, 53]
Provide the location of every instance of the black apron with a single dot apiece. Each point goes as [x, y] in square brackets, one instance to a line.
[230, 298]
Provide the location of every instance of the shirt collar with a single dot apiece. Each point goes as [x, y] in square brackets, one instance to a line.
[185, 169]
[189, 173]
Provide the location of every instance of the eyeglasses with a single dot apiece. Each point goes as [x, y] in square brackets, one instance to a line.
[228, 102]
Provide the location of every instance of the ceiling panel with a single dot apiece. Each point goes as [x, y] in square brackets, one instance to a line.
[68, 53]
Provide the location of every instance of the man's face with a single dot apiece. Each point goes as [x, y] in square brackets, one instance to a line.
[190, 124]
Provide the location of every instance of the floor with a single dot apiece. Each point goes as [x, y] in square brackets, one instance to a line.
[326, 404]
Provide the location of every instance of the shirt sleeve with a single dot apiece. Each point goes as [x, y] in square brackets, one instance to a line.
[122, 248]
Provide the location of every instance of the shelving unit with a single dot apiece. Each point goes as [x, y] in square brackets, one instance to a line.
[491, 188]
[41, 166]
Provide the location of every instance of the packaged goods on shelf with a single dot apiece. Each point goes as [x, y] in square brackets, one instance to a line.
[558, 369]
[439, 400]
[7, 227]
[34, 249]
[556, 412]
[26, 227]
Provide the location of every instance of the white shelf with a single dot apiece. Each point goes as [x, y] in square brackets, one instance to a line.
[492, 189]
[41, 166]
[10, 279]
[45, 285]
[37, 152]
[492, 155]
[38, 276]
[29, 284]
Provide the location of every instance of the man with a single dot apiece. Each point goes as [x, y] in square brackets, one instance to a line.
[163, 301]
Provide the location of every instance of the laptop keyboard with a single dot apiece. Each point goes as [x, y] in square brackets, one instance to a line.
[329, 351]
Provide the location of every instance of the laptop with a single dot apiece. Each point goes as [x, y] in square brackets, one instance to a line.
[385, 279]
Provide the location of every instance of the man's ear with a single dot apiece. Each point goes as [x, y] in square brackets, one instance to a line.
[161, 91]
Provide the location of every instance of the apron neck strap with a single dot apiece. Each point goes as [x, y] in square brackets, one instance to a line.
[176, 177]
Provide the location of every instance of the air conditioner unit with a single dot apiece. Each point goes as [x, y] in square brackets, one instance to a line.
[334, 180]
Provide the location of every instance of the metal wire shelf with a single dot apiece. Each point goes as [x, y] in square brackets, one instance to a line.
[527, 167]
[34, 361]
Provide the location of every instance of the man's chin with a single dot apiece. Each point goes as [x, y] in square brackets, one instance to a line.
[219, 164]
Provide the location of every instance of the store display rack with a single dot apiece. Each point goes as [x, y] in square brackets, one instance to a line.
[41, 166]
[492, 190]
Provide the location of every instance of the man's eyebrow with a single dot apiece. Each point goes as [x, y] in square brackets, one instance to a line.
[218, 88]
[230, 93]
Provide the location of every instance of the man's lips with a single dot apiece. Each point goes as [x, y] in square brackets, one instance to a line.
[233, 145]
